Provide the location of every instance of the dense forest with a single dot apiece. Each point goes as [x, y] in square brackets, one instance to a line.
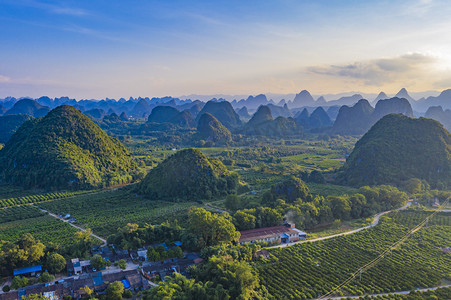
[398, 148]
[65, 149]
[186, 175]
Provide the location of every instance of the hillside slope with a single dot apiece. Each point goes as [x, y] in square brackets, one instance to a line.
[188, 175]
[64, 149]
[10, 124]
[28, 107]
[210, 129]
[223, 111]
[398, 148]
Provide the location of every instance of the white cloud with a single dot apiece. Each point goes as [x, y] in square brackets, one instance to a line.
[377, 71]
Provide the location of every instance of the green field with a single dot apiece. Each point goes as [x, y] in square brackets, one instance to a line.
[17, 213]
[8, 191]
[104, 212]
[310, 270]
[44, 228]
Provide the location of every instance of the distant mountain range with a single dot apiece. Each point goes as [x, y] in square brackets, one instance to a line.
[347, 114]
[142, 107]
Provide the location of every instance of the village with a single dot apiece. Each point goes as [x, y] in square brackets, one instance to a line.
[138, 273]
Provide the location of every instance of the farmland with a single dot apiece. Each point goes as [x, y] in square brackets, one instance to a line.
[36, 198]
[44, 228]
[104, 212]
[18, 213]
[310, 270]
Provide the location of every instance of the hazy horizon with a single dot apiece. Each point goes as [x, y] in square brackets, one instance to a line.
[99, 49]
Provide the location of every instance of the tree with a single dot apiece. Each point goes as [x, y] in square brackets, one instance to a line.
[178, 287]
[340, 206]
[55, 263]
[98, 262]
[152, 254]
[83, 242]
[46, 277]
[122, 264]
[267, 217]
[178, 252]
[244, 221]
[19, 282]
[33, 248]
[236, 277]
[290, 190]
[115, 290]
[213, 229]
[316, 177]
[88, 291]
[232, 202]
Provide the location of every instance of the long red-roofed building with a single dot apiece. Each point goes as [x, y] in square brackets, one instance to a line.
[277, 234]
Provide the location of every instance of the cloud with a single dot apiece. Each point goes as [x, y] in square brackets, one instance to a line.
[4, 79]
[419, 8]
[377, 71]
[60, 9]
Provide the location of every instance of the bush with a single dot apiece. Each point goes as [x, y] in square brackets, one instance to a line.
[128, 294]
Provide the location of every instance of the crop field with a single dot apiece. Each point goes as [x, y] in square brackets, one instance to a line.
[104, 212]
[310, 270]
[44, 228]
[36, 198]
[17, 213]
[9, 191]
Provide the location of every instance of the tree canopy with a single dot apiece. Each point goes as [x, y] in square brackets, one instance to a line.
[65, 149]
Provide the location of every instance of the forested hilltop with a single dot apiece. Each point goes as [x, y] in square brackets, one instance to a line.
[189, 174]
[65, 149]
[398, 148]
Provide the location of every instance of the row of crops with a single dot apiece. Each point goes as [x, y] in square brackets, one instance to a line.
[37, 198]
[19, 213]
[310, 270]
[107, 211]
[44, 228]
[411, 218]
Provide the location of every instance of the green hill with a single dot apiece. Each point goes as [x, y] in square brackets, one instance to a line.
[28, 107]
[262, 123]
[161, 114]
[223, 111]
[210, 129]
[262, 115]
[64, 149]
[398, 148]
[188, 175]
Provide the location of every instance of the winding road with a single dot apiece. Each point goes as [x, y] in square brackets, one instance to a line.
[374, 223]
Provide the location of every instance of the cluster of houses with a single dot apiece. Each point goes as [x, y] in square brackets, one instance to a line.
[81, 274]
[74, 286]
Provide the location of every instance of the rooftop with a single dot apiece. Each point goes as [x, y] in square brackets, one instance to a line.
[267, 232]
[27, 270]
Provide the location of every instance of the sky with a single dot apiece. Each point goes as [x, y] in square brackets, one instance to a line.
[96, 49]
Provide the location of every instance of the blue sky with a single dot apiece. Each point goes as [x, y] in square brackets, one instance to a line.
[98, 49]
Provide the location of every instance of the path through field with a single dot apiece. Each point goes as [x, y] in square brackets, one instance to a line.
[73, 225]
